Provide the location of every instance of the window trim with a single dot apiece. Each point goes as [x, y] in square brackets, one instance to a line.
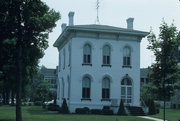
[87, 96]
[106, 95]
[127, 59]
[106, 57]
[87, 57]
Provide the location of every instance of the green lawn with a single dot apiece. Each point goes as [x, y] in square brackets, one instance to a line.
[34, 113]
[171, 114]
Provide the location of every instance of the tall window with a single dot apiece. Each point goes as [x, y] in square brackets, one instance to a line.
[126, 90]
[64, 54]
[106, 55]
[87, 54]
[59, 61]
[86, 88]
[63, 87]
[106, 88]
[69, 48]
[59, 91]
[126, 56]
[68, 79]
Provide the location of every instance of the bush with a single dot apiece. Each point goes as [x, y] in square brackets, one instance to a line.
[96, 111]
[107, 112]
[64, 108]
[43, 105]
[24, 104]
[157, 111]
[84, 110]
[29, 104]
[53, 107]
[152, 108]
[121, 110]
[37, 103]
[106, 107]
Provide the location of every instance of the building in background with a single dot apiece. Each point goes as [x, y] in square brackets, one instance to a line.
[144, 76]
[51, 76]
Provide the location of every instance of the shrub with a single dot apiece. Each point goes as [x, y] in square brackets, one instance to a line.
[107, 112]
[157, 111]
[87, 110]
[24, 104]
[29, 104]
[64, 108]
[96, 111]
[84, 110]
[37, 103]
[152, 108]
[53, 107]
[106, 107]
[121, 110]
[43, 105]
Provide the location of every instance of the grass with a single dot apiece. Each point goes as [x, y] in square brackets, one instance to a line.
[35, 113]
[171, 114]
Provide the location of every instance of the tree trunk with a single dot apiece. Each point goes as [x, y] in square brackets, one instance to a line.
[4, 96]
[19, 84]
[12, 97]
[7, 96]
[19, 66]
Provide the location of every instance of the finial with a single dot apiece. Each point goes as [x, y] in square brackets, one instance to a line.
[97, 9]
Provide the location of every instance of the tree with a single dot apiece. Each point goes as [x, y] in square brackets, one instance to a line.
[148, 91]
[121, 110]
[165, 70]
[27, 23]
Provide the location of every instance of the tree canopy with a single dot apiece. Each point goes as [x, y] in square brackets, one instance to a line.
[24, 29]
[165, 71]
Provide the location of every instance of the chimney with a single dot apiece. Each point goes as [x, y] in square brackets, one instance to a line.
[63, 26]
[130, 23]
[71, 18]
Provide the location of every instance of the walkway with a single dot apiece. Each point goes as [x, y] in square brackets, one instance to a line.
[151, 118]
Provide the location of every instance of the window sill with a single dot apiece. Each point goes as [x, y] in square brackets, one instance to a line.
[127, 66]
[106, 99]
[106, 65]
[84, 99]
[86, 64]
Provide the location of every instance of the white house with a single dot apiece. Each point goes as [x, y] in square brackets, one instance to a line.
[98, 65]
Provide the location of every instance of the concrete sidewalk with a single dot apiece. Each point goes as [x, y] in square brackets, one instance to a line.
[151, 118]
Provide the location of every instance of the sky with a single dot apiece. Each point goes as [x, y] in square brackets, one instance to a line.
[147, 14]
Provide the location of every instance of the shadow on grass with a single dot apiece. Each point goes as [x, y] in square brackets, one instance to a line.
[36, 111]
[7, 120]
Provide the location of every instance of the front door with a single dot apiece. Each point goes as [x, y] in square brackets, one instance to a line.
[126, 91]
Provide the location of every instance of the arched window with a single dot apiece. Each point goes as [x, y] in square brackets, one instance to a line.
[126, 56]
[126, 90]
[87, 54]
[86, 87]
[106, 88]
[106, 55]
